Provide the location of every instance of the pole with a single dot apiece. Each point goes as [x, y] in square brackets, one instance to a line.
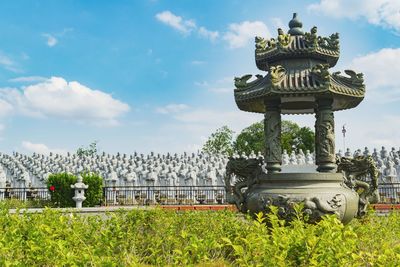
[344, 138]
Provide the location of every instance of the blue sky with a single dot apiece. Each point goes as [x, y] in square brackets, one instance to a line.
[157, 75]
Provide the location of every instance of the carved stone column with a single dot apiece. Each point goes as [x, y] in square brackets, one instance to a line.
[325, 136]
[272, 131]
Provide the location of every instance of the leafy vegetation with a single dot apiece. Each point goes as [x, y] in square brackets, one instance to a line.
[296, 137]
[88, 151]
[61, 192]
[60, 189]
[94, 193]
[251, 139]
[168, 238]
[220, 142]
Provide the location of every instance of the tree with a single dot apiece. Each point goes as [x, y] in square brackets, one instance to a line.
[89, 151]
[220, 142]
[251, 139]
[296, 137]
[293, 137]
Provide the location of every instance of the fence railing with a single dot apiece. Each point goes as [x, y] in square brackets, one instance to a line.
[389, 193]
[163, 195]
[166, 195]
[31, 193]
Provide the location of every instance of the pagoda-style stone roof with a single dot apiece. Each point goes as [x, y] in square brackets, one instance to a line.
[298, 89]
[296, 44]
[298, 74]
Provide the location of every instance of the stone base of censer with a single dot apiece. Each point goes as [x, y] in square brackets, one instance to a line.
[320, 193]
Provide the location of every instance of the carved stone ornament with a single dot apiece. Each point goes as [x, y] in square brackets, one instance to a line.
[276, 74]
[321, 72]
[311, 38]
[356, 79]
[331, 42]
[283, 39]
[361, 175]
[325, 135]
[241, 82]
[246, 173]
[314, 207]
[263, 44]
[272, 136]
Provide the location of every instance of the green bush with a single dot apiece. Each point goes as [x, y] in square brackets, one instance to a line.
[94, 193]
[61, 192]
[204, 238]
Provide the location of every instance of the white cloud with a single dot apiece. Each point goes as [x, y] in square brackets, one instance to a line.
[185, 26]
[211, 35]
[171, 108]
[58, 98]
[28, 79]
[212, 119]
[197, 62]
[381, 70]
[5, 108]
[7, 63]
[201, 84]
[221, 90]
[378, 12]
[50, 39]
[278, 23]
[41, 148]
[176, 22]
[240, 34]
[221, 86]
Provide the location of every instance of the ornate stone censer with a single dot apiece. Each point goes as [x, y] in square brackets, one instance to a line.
[299, 82]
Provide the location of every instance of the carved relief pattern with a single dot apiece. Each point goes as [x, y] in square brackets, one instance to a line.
[276, 74]
[264, 44]
[315, 207]
[321, 72]
[325, 136]
[241, 82]
[273, 136]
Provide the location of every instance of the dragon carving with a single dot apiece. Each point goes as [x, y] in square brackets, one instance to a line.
[264, 44]
[321, 72]
[241, 82]
[311, 38]
[361, 175]
[247, 173]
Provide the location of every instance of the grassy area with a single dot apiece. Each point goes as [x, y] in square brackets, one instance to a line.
[207, 238]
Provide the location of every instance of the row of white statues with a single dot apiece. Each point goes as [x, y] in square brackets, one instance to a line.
[195, 169]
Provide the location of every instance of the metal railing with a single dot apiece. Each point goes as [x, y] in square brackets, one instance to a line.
[163, 195]
[389, 193]
[166, 195]
[31, 193]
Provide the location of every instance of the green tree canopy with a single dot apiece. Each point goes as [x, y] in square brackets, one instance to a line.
[296, 137]
[252, 139]
[220, 142]
[89, 151]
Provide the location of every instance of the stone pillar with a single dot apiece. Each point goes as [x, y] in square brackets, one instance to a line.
[325, 136]
[272, 131]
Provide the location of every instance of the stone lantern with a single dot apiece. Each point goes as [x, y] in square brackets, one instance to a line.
[298, 81]
[80, 188]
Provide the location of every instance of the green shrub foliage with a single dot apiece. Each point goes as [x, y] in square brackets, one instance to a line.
[61, 192]
[167, 238]
[94, 193]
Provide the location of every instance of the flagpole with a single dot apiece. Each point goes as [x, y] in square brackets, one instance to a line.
[344, 138]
